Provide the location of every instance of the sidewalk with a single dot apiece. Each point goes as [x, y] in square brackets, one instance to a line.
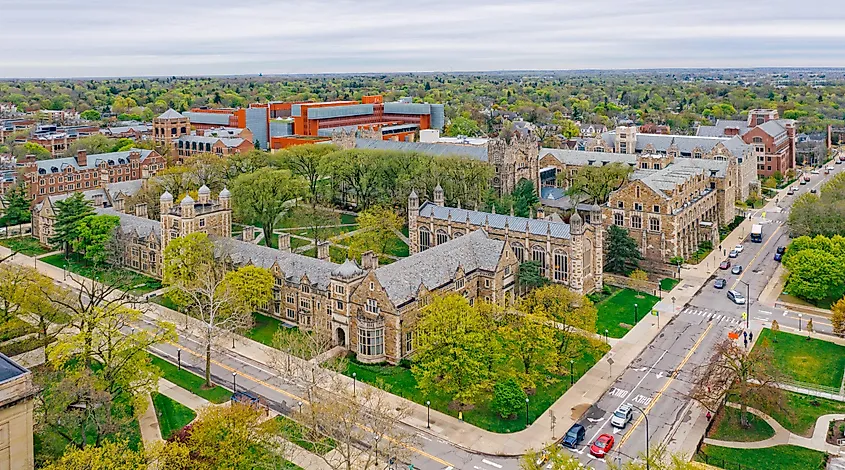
[185, 397]
[148, 422]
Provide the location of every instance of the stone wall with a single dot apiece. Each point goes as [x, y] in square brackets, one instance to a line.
[649, 287]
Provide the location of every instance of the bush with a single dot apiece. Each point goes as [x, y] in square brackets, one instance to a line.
[508, 398]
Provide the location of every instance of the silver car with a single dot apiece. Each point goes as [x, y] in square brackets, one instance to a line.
[622, 416]
[736, 297]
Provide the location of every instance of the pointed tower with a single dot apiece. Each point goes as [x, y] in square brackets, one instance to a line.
[439, 197]
[413, 214]
[576, 230]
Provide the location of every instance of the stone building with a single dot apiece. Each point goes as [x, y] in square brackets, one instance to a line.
[169, 126]
[569, 254]
[213, 217]
[17, 403]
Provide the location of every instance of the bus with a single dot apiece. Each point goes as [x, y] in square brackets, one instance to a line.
[757, 233]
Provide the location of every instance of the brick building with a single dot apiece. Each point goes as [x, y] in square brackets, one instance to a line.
[17, 404]
[83, 172]
[217, 142]
[169, 126]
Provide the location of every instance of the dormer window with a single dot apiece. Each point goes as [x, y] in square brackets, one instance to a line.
[372, 306]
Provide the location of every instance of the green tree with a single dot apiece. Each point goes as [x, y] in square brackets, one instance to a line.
[93, 235]
[462, 125]
[528, 276]
[569, 129]
[69, 212]
[452, 348]
[623, 253]
[813, 274]
[31, 148]
[525, 198]
[531, 338]
[508, 398]
[93, 145]
[377, 226]
[837, 317]
[260, 196]
[90, 115]
[112, 455]
[598, 182]
[306, 161]
[17, 206]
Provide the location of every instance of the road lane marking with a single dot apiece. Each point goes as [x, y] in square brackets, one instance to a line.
[494, 464]
[641, 400]
[665, 386]
[765, 312]
[762, 249]
[618, 392]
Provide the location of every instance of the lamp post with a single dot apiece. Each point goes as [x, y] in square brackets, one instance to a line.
[646, 434]
[375, 437]
[179, 358]
[300, 407]
[428, 414]
[526, 412]
[605, 336]
[234, 381]
[65, 272]
[673, 305]
[571, 371]
[636, 313]
[747, 303]
[354, 384]
[799, 321]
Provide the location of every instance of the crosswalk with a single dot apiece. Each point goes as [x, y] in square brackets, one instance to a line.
[710, 315]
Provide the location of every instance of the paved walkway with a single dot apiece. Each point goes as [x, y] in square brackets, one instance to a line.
[148, 422]
[183, 396]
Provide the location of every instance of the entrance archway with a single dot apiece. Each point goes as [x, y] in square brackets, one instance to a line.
[341, 337]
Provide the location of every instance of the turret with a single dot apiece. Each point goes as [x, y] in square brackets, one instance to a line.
[439, 197]
[165, 202]
[225, 199]
[187, 206]
[204, 194]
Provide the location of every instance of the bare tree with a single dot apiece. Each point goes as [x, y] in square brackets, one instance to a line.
[741, 375]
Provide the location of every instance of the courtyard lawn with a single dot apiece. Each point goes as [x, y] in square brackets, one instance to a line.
[136, 283]
[619, 308]
[668, 284]
[727, 427]
[815, 362]
[172, 415]
[165, 301]
[264, 329]
[301, 217]
[800, 412]
[25, 245]
[770, 458]
[400, 381]
[190, 381]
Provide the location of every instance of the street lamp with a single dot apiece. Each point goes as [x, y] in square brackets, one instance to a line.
[234, 382]
[300, 407]
[605, 336]
[428, 414]
[376, 439]
[179, 358]
[636, 313]
[526, 412]
[799, 321]
[354, 384]
[646, 434]
[747, 302]
[673, 305]
[571, 374]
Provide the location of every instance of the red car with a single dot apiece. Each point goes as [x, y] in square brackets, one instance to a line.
[725, 264]
[602, 446]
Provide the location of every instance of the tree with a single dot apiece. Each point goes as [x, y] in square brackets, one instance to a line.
[555, 458]
[814, 273]
[837, 317]
[622, 251]
[639, 279]
[452, 348]
[306, 161]
[530, 336]
[68, 214]
[39, 310]
[222, 302]
[112, 455]
[598, 182]
[31, 148]
[462, 125]
[746, 376]
[93, 144]
[261, 196]
[528, 276]
[90, 115]
[525, 198]
[17, 206]
[658, 458]
[377, 226]
[508, 398]
[93, 235]
[569, 129]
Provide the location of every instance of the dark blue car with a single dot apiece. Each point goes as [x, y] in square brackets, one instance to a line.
[720, 283]
[574, 436]
[778, 256]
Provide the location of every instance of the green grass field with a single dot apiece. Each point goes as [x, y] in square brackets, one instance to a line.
[190, 381]
[799, 413]
[172, 415]
[133, 282]
[668, 284]
[25, 245]
[770, 458]
[816, 361]
[619, 308]
[264, 329]
[400, 381]
[727, 427]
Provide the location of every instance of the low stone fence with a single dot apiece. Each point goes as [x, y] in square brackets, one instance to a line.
[14, 231]
[648, 287]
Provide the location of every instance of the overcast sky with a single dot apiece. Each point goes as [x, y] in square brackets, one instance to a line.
[61, 38]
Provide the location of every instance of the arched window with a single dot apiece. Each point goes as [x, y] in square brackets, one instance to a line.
[425, 239]
[442, 237]
[561, 267]
[538, 254]
[757, 140]
[519, 251]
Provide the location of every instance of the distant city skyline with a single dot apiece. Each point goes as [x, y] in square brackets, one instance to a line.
[89, 38]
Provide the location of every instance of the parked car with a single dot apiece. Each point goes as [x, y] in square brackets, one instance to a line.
[574, 436]
[736, 297]
[725, 264]
[837, 161]
[736, 269]
[827, 172]
[813, 191]
[739, 248]
[781, 250]
[815, 172]
[829, 168]
[602, 446]
[622, 416]
[778, 257]
[720, 283]
[790, 192]
[733, 254]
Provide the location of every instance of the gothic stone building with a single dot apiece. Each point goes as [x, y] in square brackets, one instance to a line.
[569, 254]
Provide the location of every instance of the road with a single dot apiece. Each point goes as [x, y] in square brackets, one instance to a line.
[659, 380]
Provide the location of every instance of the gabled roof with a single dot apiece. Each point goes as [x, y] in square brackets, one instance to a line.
[227, 141]
[583, 157]
[719, 129]
[773, 128]
[127, 188]
[685, 143]
[171, 114]
[437, 266]
[475, 152]
[130, 223]
[112, 158]
[497, 221]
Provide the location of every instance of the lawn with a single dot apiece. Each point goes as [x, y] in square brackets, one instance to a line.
[301, 216]
[619, 308]
[165, 301]
[15, 328]
[336, 254]
[172, 415]
[190, 381]
[136, 283]
[297, 433]
[727, 427]
[816, 361]
[394, 247]
[800, 412]
[770, 458]
[400, 381]
[668, 284]
[25, 245]
[264, 328]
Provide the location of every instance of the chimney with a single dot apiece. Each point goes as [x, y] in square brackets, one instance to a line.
[141, 210]
[284, 242]
[82, 157]
[541, 214]
[248, 234]
[323, 250]
[369, 260]
[98, 200]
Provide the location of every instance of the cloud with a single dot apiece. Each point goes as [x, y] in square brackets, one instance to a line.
[158, 37]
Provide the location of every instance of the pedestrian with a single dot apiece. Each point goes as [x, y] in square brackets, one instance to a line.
[745, 335]
[751, 336]
[746, 343]
[709, 416]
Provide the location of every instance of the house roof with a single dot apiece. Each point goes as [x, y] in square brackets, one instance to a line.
[171, 114]
[130, 223]
[685, 143]
[497, 221]
[10, 369]
[438, 265]
[719, 129]
[127, 188]
[679, 172]
[112, 158]
[475, 152]
[583, 157]
[227, 141]
[773, 128]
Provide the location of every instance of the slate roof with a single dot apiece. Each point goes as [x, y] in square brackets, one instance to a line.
[497, 221]
[130, 223]
[171, 114]
[88, 195]
[719, 129]
[438, 265]
[93, 160]
[10, 369]
[124, 129]
[127, 188]
[679, 172]
[686, 143]
[583, 157]
[476, 152]
[348, 270]
[293, 266]
[227, 141]
[773, 128]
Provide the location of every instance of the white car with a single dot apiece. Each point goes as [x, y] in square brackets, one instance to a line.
[622, 416]
[739, 248]
[815, 172]
[830, 168]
